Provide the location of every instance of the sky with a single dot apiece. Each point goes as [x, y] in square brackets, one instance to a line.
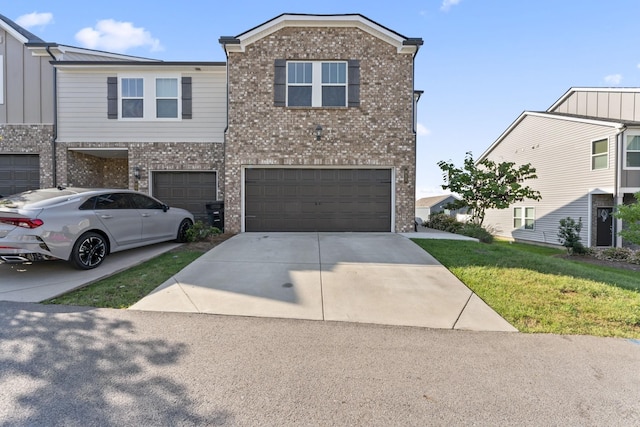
[482, 64]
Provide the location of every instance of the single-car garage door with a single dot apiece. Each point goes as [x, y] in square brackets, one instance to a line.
[18, 173]
[187, 190]
[317, 199]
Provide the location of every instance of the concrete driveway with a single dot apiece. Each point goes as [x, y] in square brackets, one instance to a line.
[38, 281]
[381, 278]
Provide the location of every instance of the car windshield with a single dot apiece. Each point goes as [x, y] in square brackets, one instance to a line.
[20, 200]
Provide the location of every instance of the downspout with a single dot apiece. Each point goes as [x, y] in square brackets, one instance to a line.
[617, 180]
[54, 147]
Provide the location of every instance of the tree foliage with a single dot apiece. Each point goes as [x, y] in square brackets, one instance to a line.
[487, 185]
[569, 235]
[630, 216]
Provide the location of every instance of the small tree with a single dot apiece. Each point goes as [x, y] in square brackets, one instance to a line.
[569, 235]
[487, 185]
[630, 215]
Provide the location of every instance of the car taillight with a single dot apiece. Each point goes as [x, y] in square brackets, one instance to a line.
[23, 222]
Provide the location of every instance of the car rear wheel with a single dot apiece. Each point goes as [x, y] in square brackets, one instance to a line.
[89, 251]
[185, 225]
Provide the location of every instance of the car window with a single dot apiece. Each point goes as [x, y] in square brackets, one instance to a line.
[141, 201]
[89, 204]
[113, 201]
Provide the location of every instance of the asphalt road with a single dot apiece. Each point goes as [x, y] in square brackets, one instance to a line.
[96, 367]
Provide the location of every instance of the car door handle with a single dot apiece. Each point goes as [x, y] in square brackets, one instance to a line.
[106, 216]
[146, 215]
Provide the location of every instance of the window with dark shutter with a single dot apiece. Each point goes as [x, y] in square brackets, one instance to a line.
[280, 83]
[186, 98]
[354, 83]
[112, 97]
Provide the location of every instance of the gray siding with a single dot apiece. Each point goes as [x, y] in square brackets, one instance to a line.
[82, 111]
[616, 105]
[560, 150]
[28, 85]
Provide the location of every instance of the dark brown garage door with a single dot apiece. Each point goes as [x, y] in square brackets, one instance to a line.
[187, 190]
[18, 173]
[318, 200]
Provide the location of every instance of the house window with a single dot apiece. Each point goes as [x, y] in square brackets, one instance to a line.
[166, 98]
[632, 152]
[132, 98]
[524, 217]
[600, 154]
[317, 84]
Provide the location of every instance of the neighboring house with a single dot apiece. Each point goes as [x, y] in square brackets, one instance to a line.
[321, 131]
[437, 204]
[309, 125]
[586, 151]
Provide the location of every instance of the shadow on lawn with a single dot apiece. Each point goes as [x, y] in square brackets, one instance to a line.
[72, 366]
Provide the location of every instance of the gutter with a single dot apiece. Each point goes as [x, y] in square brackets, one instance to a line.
[54, 147]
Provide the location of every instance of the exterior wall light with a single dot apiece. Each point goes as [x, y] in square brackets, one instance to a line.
[136, 172]
[318, 132]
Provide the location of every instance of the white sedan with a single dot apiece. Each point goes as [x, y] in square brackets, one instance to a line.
[83, 225]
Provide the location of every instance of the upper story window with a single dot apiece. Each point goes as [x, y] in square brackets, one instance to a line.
[600, 154]
[149, 97]
[632, 152]
[316, 84]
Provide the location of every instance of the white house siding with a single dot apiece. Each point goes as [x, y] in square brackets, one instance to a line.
[623, 104]
[82, 109]
[560, 150]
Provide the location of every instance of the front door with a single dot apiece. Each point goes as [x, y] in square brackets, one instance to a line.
[604, 227]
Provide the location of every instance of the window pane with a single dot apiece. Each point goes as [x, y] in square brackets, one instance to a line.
[528, 224]
[167, 88]
[517, 222]
[132, 108]
[144, 202]
[633, 143]
[633, 159]
[132, 88]
[517, 212]
[599, 162]
[167, 108]
[600, 147]
[299, 96]
[529, 212]
[300, 72]
[334, 72]
[334, 96]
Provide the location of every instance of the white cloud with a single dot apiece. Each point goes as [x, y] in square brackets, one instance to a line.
[116, 36]
[35, 19]
[446, 4]
[613, 79]
[421, 130]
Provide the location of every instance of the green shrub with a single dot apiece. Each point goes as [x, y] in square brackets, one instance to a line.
[443, 222]
[201, 231]
[476, 231]
[569, 235]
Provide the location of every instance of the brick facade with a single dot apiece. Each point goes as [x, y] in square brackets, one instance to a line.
[378, 133]
[30, 139]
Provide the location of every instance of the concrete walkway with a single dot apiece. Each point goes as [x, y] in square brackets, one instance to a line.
[381, 278]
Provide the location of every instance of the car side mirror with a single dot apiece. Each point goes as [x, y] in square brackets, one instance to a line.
[165, 208]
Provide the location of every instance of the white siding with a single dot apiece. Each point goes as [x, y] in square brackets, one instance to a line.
[560, 150]
[82, 111]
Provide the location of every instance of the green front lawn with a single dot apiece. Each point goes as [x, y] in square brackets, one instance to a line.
[537, 291]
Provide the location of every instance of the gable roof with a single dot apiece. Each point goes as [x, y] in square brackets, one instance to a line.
[427, 202]
[18, 32]
[573, 90]
[241, 41]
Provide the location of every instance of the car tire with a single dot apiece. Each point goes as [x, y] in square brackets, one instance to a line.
[185, 225]
[89, 251]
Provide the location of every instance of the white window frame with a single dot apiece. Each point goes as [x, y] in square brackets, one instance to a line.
[627, 135]
[156, 97]
[317, 85]
[523, 218]
[605, 154]
[149, 96]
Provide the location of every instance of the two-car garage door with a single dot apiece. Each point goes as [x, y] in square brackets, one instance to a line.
[317, 199]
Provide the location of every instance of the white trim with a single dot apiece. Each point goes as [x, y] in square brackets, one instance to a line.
[149, 113]
[573, 90]
[309, 21]
[627, 134]
[2, 79]
[15, 34]
[521, 117]
[523, 218]
[600, 154]
[243, 192]
[317, 85]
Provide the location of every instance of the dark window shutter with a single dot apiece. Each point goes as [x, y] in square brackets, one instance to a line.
[112, 97]
[354, 83]
[280, 83]
[186, 98]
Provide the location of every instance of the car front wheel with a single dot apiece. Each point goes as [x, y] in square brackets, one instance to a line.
[185, 225]
[89, 251]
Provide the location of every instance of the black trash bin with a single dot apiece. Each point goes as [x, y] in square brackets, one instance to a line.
[215, 213]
